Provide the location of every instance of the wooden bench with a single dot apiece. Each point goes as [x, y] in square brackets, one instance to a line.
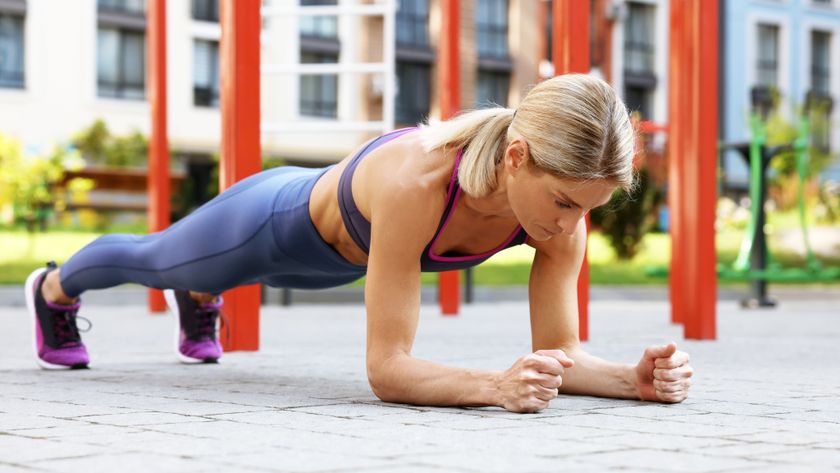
[116, 181]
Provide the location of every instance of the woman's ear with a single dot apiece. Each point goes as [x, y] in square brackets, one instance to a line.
[516, 155]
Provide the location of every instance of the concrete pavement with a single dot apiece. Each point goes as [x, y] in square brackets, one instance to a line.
[765, 397]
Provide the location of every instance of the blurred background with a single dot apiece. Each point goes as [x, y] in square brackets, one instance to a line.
[74, 116]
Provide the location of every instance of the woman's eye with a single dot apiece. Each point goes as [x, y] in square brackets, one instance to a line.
[562, 204]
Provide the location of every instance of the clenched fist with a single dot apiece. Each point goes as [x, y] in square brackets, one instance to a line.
[532, 382]
[663, 374]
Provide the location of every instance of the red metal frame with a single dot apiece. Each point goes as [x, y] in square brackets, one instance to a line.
[158, 175]
[241, 152]
[693, 99]
[570, 53]
[449, 79]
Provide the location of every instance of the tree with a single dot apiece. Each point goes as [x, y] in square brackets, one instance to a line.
[28, 183]
[99, 146]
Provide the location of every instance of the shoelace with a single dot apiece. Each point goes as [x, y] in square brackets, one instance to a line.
[206, 318]
[65, 328]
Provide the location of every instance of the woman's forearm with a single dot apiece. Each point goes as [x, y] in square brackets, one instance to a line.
[594, 376]
[409, 380]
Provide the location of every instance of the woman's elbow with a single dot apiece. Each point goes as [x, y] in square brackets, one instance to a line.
[383, 374]
[380, 383]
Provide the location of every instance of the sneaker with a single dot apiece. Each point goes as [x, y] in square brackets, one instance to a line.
[58, 345]
[195, 332]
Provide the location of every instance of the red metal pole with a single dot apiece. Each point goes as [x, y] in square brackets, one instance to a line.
[449, 79]
[694, 59]
[241, 153]
[677, 96]
[157, 181]
[700, 323]
[570, 51]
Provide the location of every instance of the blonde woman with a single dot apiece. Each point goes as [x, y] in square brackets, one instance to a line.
[444, 196]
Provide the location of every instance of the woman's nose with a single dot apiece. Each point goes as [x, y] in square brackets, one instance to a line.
[567, 224]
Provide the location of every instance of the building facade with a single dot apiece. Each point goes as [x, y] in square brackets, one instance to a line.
[65, 64]
[792, 46]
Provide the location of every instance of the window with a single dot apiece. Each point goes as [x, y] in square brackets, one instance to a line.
[549, 35]
[767, 66]
[11, 50]
[492, 88]
[413, 91]
[319, 44]
[491, 23]
[639, 52]
[821, 90]
[413, 23]
[637, 99]
[206, 73]
[121, 59]
[414, 62]
[319, 26]
[121, 49]
[494, 64]
[319, 93]
[205, 10]
[820, 62]
[638, 39]
[134, 7]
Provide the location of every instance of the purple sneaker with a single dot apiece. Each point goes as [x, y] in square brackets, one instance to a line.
[195, 333]
[58, 345]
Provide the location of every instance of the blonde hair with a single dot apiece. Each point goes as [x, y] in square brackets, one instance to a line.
[575, 125]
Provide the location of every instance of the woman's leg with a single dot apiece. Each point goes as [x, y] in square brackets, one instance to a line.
[225, 243]
[52, 292]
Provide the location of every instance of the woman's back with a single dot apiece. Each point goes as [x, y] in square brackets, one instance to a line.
[401, 172]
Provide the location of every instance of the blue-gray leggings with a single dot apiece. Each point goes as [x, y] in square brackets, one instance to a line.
[259, 230]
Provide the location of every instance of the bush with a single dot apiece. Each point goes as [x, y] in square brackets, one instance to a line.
[627, 218]
[99, 146]
[28, 190]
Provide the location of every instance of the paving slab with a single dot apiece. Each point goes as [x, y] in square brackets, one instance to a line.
[765, 396]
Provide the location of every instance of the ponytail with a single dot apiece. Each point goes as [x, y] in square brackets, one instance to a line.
[482, 137]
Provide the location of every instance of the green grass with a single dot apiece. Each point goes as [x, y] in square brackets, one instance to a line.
[21, 252]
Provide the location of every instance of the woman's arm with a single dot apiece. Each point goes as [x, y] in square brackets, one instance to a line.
[554, 318]
[401, 226]
[661, 375]
[404, 219]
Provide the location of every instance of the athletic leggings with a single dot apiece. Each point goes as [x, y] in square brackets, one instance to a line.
[257, 231]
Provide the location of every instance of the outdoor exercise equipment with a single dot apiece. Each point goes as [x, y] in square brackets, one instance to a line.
[692, 96]
[755, 262]
[158, 181]
[692, 169]
[570, 53]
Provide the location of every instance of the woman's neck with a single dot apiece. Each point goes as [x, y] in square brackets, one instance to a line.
[493, 205]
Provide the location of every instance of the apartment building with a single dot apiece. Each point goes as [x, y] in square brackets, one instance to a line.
[65, 64]
[788, 45]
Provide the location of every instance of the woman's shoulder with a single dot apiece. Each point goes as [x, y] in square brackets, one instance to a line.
[403, 165]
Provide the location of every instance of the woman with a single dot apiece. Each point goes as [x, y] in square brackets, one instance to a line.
[442, 197]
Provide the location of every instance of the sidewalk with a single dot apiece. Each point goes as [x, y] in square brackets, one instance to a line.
[765, 397]
[12, 296]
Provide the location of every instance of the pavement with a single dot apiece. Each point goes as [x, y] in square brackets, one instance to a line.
[765, 396]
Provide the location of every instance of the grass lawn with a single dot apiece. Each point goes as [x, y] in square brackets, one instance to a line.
[21, 252]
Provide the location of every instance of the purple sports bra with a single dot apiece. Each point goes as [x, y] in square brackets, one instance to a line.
[359, 227]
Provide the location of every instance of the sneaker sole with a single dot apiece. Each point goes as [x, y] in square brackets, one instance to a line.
[30, 307]
[169, 295]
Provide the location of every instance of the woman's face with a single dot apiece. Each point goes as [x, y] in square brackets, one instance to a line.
[546, 205]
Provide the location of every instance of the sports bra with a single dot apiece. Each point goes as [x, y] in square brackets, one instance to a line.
[359, 227]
